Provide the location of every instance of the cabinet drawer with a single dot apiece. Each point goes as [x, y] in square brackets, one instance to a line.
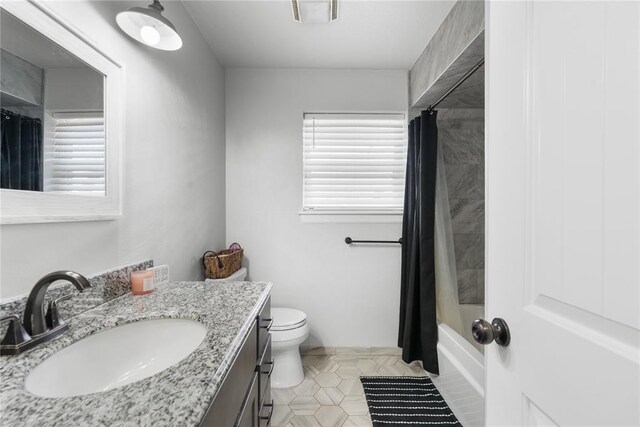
[265, 368]
[224, 409]
[264, 326]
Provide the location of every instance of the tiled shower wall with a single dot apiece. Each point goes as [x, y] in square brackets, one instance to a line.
[461, 139]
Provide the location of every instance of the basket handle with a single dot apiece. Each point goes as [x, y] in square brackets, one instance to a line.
[235, 243]
[214, 254]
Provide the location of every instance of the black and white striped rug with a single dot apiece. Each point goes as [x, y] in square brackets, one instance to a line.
[402, 401]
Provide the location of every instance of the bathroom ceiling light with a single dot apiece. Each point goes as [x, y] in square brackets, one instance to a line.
[148, 26]
[315, 11]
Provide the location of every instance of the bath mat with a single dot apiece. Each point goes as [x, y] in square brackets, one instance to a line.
[403, 401]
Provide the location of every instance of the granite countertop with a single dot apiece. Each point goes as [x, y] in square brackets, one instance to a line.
[179, 395]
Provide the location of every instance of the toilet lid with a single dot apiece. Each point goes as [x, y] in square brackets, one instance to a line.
[238, 276]
[287, 318]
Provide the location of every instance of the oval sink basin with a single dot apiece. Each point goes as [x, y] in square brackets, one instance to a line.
[116, 357]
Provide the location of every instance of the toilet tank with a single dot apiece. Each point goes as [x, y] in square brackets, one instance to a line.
[238, 276]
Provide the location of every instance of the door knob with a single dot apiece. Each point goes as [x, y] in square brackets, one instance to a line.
[485, 332]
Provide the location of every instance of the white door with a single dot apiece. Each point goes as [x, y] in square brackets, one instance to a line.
[563, 215]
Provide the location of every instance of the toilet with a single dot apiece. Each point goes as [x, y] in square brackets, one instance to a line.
[288, 331]
[238, 276]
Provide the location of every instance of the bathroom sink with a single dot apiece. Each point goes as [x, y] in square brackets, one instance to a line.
[116, 357]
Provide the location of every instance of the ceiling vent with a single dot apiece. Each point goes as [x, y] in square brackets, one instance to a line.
[315, 11]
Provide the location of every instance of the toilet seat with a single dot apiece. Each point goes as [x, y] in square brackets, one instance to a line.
[287, 319]
[297, 334]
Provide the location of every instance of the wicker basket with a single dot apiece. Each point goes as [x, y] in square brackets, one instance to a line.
[220, 265]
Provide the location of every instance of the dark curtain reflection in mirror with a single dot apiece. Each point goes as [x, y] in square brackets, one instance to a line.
[21, 167]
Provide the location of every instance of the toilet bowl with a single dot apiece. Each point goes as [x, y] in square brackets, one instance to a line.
[288, 331]
[238, 276]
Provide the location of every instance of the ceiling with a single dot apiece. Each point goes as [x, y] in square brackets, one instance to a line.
[369, 34]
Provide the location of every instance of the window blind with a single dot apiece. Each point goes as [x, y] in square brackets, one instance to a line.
[74, 157]
[354, 162]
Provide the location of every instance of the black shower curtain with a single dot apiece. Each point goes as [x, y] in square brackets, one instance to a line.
[21, 152]
[418, 334]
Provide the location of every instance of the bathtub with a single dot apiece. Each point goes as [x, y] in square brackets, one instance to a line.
[461, 379]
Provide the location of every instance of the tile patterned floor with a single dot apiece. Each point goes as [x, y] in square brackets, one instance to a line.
[331, 394]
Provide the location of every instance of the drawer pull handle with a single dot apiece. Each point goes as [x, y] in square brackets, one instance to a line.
[268, 325]
[262, 356]
[267, 417]
[245, 403]
[267, 373]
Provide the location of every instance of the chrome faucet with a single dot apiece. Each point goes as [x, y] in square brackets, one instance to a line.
[38, 327]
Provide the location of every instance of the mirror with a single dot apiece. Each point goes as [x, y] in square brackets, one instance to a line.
[62, 104]
[53, 137]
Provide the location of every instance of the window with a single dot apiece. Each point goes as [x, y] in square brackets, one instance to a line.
[354, 163]
[74, 157]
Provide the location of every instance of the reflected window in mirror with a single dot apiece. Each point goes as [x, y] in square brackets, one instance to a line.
[53, 129]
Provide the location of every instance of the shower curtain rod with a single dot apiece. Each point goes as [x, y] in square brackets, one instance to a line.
[458, 83]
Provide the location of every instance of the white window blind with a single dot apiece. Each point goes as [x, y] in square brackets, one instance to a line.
[354, 163]
[74, 157]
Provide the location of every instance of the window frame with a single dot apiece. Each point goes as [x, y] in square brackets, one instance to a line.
[383, 215]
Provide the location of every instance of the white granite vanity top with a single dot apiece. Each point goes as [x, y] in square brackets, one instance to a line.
[179, 395]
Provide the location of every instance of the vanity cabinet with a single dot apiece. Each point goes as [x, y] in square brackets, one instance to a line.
[244, 398]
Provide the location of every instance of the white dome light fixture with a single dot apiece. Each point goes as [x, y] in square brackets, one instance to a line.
[149, 27]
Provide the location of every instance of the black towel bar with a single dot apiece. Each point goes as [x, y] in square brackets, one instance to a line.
[349, 240]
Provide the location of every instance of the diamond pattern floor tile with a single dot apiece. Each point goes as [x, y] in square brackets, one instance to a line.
[331, 393]
[309, 359]
[282, 414]
[349, 373]
[367, 366]
[355, 405]
[386, 360]
[331, 416]
[348, 362]
[282, 396]
[310, 371]
[304, 405]
[327, 379]
[304, 421]
[308, 387]
[357, 421]
[351, 387]
[328, 396]
[327, 364]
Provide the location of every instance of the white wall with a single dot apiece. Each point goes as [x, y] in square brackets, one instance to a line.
[350, 294]
[174, 162]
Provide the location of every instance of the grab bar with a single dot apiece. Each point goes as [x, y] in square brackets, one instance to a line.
[349, 240]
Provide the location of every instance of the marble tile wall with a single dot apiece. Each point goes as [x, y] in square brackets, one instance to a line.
[461, 139]
[21, 79]
[454, 48]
